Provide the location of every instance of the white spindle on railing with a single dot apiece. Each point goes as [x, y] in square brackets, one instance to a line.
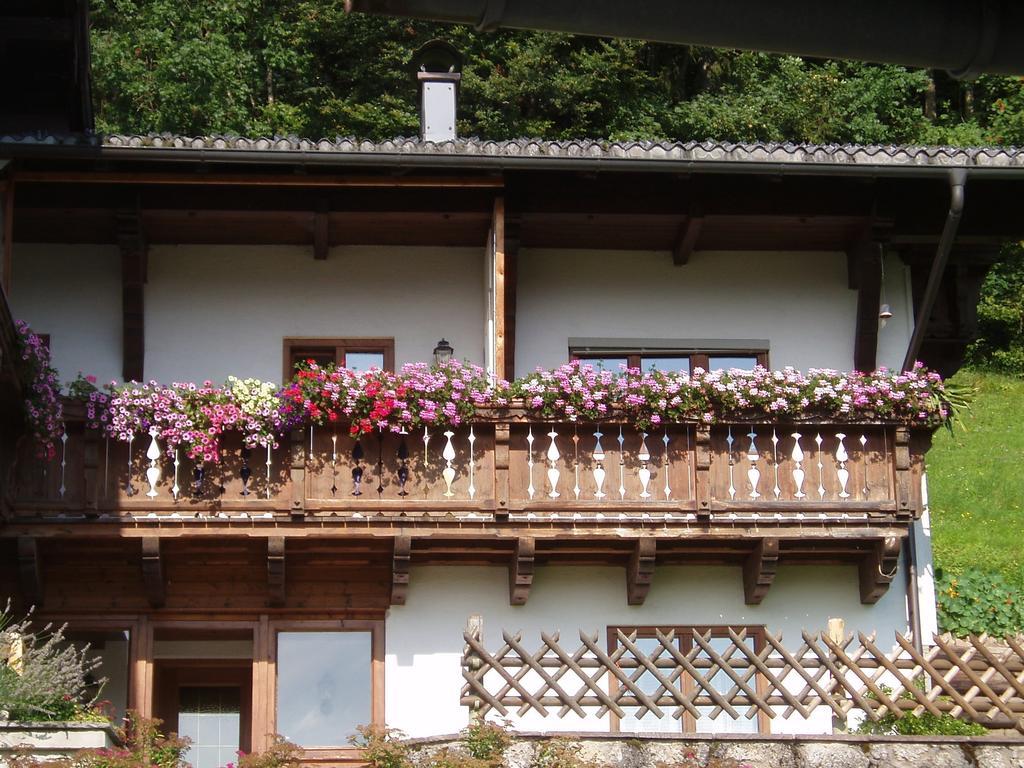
[798, 469]
[270, 463]
[665, 465]
[472, 440]
[553, 457]
[576, 461]
[729, 440]
[622, 465]
[644, 473]
[448, 454]
[530, 490]
[864, 461]
[821, 468]
[153, 471]
[753, 473]
[176, 489]
[841, 471]
[63, 459]
[599, 473]
[775, 463]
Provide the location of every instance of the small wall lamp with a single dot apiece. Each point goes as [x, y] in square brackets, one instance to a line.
[443, 352]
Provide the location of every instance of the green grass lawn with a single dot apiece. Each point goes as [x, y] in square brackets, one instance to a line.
[976, 481]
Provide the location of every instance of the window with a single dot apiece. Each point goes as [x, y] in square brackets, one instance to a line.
[324, 686]
[648, 644]
[359, 354]
[670, 360]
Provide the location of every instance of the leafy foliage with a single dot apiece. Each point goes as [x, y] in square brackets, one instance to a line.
[382, 747]
[306, 67]
[976, 601]
[925, 724]
[42, 676]
[1000, 344]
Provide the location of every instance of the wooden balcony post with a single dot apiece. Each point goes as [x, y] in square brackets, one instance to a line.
[501, 473]
[702, 471]
[905, 505]
[298, 473]
[90, 469]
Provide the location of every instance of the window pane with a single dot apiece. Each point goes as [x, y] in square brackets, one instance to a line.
[745, 363]
[666, 364]
[364, 361]
[210, 717]
[613, 364]
[653, 649]
[723, 683]
[323, 686]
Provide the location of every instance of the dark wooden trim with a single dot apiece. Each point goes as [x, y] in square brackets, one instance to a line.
[640, 571]
[878, 569]
[400, 558]
[759, 570]
[131, 242]
[140, 659]
[275, 571]
[260, 180]
[520, 571]
[153, 573]
[30, 574]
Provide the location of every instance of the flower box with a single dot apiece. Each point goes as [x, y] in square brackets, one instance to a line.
[53, 740]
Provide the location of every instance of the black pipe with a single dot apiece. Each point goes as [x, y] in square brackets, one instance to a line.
[957, 190]
[965, 38]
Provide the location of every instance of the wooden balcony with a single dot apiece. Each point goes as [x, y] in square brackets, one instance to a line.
[503, 468]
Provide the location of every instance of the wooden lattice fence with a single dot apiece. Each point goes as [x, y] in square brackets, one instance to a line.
[744, 673]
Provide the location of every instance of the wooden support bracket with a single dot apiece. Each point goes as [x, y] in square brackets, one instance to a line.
[400, 560]
[153, 572]
[689, 234]
[759, 570]
[878, 569]
[520, 571]
[640, 571]
[321, 231]
[30, 573]
[275, 571]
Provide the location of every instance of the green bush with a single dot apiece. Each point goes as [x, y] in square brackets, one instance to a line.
[976, 601]
[925, 724]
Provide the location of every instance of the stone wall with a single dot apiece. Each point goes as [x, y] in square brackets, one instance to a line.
[781, 751]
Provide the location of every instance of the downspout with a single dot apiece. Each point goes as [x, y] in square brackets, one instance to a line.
[957, 192]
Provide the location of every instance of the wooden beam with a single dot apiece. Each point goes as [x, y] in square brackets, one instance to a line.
[133, 249]
[153, 573]
[512, 227]
[867, 269]
[498, 269]
[689, 234]
[878, 569]
[30, 572]
[263, 180]
[520, 571]
[640, 570]
[759, 570]
[140, 692]
[275, 571]
[321, 231]
[400, 559]
[7, 237]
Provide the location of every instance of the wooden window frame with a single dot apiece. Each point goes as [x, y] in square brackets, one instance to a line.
[296, 346]
[377, 653]
[684, 634]
[698, 358]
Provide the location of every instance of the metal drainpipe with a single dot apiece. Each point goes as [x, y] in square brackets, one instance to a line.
[957, 192]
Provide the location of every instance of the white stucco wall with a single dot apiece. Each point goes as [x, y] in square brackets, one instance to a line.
[73, 293]
[424, 637]
[212, 311]
[800, 302]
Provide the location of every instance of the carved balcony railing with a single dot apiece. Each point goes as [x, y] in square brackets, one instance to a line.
[503, 466]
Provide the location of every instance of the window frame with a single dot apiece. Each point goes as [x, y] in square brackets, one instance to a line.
[377, 654]
[698, 358]
[298, 346]
[684, 633]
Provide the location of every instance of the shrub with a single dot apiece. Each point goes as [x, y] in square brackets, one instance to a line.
[976, 601]
[925, 724]
[382, 747]
[487, 740]
[280, 754]
[559, 753]
[42, 676]
[144, 747]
